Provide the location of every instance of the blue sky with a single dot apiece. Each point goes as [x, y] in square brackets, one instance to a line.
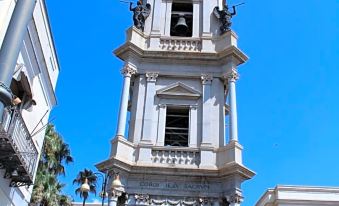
[288, 93]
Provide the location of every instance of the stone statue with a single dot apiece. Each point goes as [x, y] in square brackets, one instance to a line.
[140, 13]
[224, 17]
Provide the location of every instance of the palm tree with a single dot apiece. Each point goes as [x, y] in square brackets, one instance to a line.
[55, 151]
[86, 176]
[47, 188]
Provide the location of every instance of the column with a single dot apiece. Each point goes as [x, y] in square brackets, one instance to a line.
[193, 132]
[149, 129]
[232, 78]
[127, 72]
[161, 125]
[206, 107]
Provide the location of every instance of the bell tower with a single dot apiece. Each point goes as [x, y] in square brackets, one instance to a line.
[180, 71]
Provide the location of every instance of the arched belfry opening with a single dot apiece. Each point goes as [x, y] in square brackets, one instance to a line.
[182, 19]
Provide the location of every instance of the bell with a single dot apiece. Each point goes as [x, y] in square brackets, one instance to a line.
[181, 27]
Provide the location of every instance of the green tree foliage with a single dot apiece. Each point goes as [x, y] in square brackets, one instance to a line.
[55, 154]
[86, 176]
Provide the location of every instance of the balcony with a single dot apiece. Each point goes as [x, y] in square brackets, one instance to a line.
[18, 154]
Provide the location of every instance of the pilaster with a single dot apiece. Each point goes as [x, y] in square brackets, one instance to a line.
[150, 120]
[156, 24]
[162, 125]
[193, 127]
[206, 108]
[196, 18]
[168, 18]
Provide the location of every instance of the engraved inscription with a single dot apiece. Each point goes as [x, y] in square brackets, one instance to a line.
[174, 186]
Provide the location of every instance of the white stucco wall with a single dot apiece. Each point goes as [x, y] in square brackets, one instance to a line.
[40, 61]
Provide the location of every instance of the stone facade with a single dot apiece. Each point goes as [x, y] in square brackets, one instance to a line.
[167, 78]
[34, 82]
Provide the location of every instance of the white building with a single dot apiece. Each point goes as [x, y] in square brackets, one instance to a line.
[300, 196]
[23, 126]
[180, 72]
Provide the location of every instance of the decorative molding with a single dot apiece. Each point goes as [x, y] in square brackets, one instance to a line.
[142, 199]
[193, 107]
[206, 78]
[232, 76]
[179, 91]
[162, 106]
[177, 202]
[180, 44]
[128, 71]
[152, 76]
[236, 198]
[178, 156]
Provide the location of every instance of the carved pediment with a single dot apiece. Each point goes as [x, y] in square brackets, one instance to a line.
[179, 90]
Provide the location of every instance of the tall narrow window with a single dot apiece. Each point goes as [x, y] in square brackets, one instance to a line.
[177, 127]
[181, 21]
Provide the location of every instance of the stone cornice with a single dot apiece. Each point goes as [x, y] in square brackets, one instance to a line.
[228, 169]
[196, 58]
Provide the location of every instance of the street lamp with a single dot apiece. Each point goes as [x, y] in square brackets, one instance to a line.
[117, 189]
[103, 193]
[85, 188]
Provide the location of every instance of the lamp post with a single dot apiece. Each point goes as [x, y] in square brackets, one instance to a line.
[103, 186]
[85, 188]
[117, 189]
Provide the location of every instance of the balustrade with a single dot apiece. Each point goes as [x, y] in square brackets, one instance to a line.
[180, 44]
[176, 156]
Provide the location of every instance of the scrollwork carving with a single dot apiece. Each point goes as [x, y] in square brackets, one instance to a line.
[206, 79]
[232, 76]
[152, 76]
[236, 198]
[128, 71]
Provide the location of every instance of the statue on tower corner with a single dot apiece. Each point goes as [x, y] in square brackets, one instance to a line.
[140, 13]
[224, 17]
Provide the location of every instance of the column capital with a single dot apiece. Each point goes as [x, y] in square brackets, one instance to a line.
[236, 198]
[128, 71]
[206, 78]
[152, 76]
[162, 106]
[232, 76]
[193, 107]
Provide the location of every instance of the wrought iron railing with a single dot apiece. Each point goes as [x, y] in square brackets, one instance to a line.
[20, 149]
